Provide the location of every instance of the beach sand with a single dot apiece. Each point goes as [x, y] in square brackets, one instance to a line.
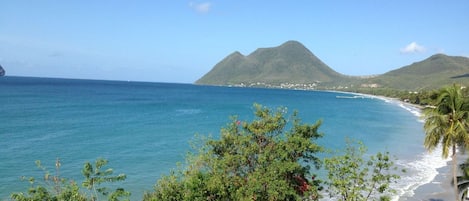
[439, 189]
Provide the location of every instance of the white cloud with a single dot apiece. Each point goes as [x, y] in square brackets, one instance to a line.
[201, 7]
[413, 47]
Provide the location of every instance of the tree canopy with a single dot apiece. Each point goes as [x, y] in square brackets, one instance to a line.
[446, 125]
[258, 160]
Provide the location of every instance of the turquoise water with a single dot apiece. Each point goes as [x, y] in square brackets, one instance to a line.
[143, 129]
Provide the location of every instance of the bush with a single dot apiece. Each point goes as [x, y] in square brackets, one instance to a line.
[54, 187]
[256, 160]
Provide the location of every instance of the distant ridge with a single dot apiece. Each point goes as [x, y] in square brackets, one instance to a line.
[292, 65]
[436, 71]
[289, 62]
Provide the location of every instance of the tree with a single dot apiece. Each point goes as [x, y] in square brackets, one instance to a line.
[53, 187]
[56, 187]
[255, 160]
[463, 180]
[95, 176]
[446, 125]
[350, 177]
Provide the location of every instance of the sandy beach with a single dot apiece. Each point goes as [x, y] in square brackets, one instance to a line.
[439, 189]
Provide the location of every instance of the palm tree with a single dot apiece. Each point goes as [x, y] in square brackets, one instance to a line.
[446, 124]
[463, 180]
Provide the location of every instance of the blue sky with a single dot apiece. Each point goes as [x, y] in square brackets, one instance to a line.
[179, 41]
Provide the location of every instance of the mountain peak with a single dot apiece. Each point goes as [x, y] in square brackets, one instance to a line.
[290, 62]
[438, 56]
[292, 43]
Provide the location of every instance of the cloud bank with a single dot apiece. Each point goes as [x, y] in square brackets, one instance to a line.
[413, 47]
[201, 7]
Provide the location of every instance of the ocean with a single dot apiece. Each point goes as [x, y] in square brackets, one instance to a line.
[144, 129]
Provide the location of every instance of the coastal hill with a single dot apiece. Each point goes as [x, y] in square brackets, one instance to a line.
[292, 65]
[433, 72]
[2, 71]
[290, 62]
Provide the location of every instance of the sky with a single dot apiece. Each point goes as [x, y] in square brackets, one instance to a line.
[178, 41]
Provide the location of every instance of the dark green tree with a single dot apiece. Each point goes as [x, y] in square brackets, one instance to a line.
[351, 177]
[446, 125]
[256, 160]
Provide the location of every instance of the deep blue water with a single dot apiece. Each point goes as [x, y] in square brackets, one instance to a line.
[144, 129]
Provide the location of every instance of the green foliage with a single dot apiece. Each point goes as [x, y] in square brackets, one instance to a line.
[52, 187]
[95, 176]
[463, 180]
[447, 120]
[351, 177]
[447, 124]
[255, 160]
[56, 188]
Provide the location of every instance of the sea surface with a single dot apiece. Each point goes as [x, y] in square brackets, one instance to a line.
[144, 129]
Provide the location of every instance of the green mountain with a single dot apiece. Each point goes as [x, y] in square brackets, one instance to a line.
[292, 65]
[433, 72]
[290, 62]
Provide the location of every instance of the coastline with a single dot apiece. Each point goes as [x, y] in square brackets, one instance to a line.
[439, 188]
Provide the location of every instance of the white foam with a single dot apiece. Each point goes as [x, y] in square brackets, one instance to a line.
[406, 106]
[414, 110]
[419, 172]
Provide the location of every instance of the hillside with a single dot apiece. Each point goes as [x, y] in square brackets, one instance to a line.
[290, 62]
[2, 71]
[292, 65]
[433, 72]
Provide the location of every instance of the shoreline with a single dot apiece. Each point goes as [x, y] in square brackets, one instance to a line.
[439, 188]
